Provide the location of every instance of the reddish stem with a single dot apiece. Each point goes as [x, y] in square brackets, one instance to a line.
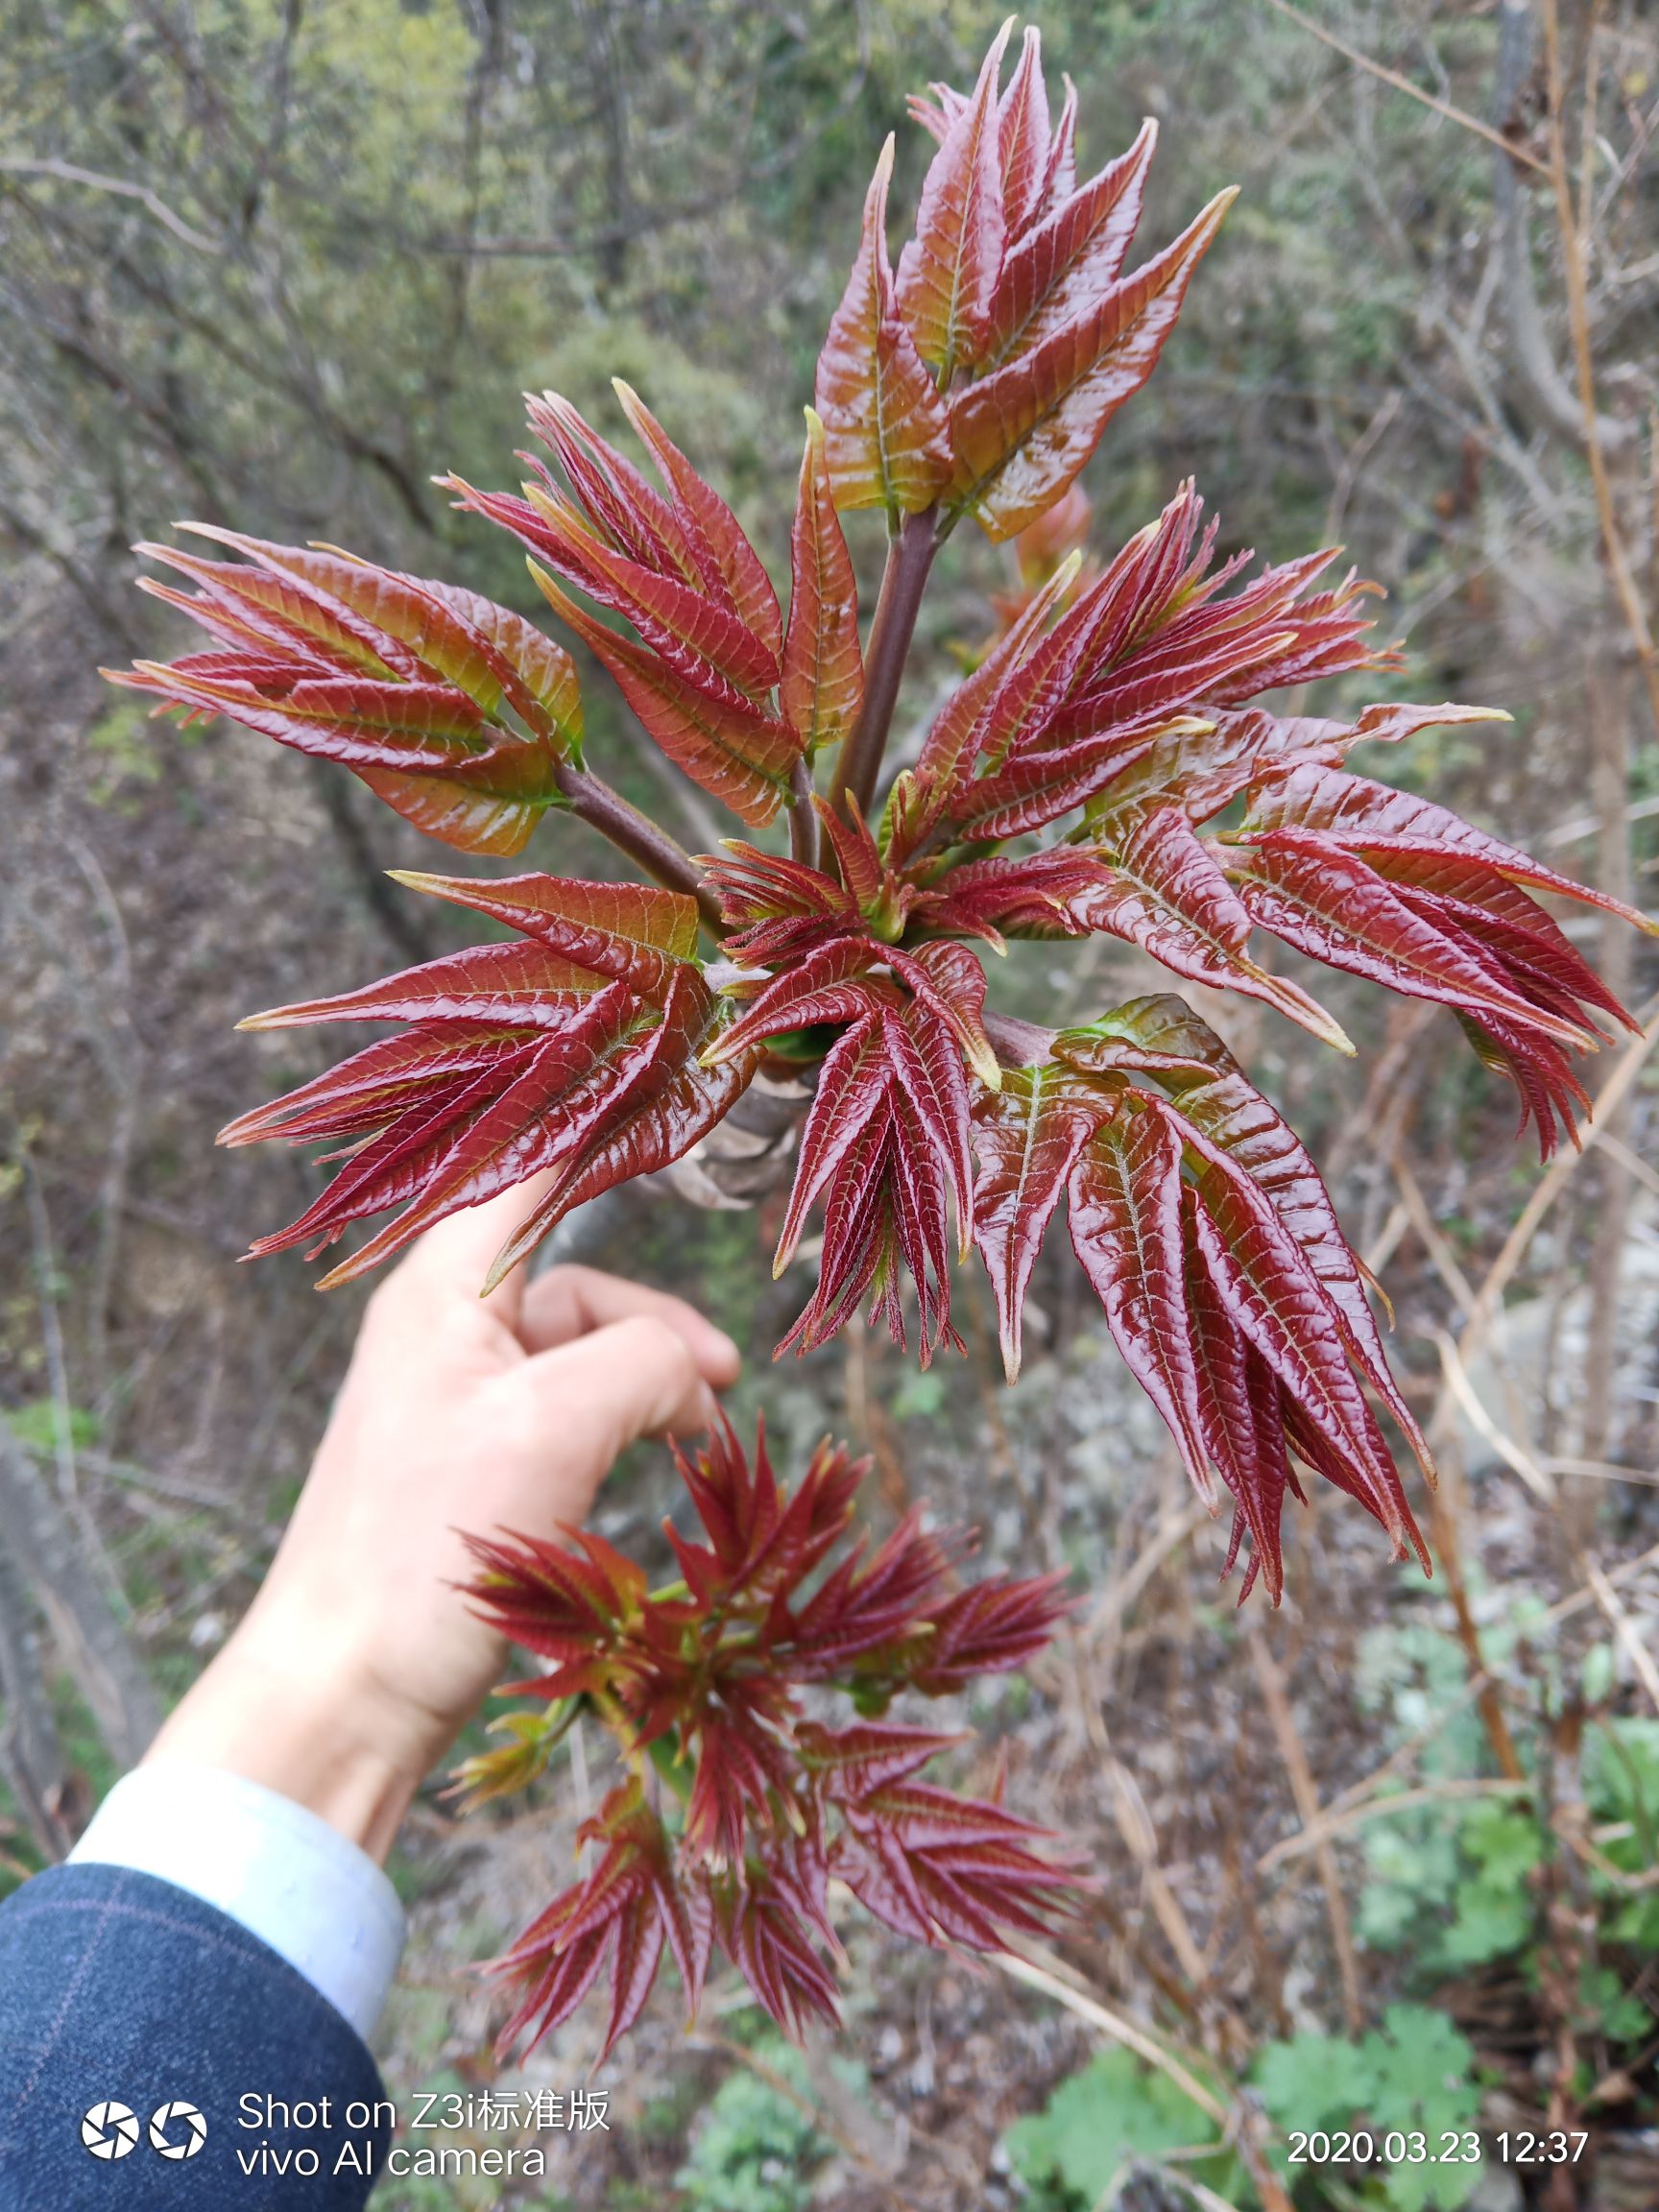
[638, 836]
[904, 579]
[803, 839]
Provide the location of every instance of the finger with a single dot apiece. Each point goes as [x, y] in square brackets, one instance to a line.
[453, 1257]
[570, 1302]
[580, 1403]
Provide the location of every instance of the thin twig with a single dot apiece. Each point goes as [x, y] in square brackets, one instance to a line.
[1429, 1236]
[1624, 1628]
[909, 559]
[810, 2108]
[593, 800]
[1551, 1184]
[1238, 2124]
[1135, 1826]
[1113, 2024]
[67, 173]
[1304, 1792]
[1474, 1408]
[1116, 1599]
[1578, 319]
[1335, 1821]
[1404, 85]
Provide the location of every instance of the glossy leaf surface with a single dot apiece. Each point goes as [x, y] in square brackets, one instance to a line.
[887, 437]
[822, 676]
[1023, 433]
[456, 713]
[1117, 762]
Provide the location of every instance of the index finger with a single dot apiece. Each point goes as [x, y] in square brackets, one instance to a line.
[572, 1301]
[453, 1257]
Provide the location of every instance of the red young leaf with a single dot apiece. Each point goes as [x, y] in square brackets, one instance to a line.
[1022, 137]
[823, 680]
[1022, 432]
[760, 1541]
[696, 636]
[625, 1906]
[680, 569]
[520, 983]
[1028, 897]
[990, 1628]
[1063, 267]
[766, 1942]
[946, 1869]
[948, 273]
[1161, 887]
[601, 1083]
[739, 1761]
[1276, 1303]
[846, 1764]
[1035, 788]
[1028, 1137]
[1242, 1422]
[886, 435]
[688, 1092]
[719, 547]
[1125, 1215]
[777, 909]
[1113, 705]
[456, 713]
[702, 1685]
[885, 1145]
[739, 751]
[633, 933]
[871, 1603]
[1203, 772]
[1224, 1116]
[1357, 815]
[1391, 886]
[1328, 903]
[650, 549]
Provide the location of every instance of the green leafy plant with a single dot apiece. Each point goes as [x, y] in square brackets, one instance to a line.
[755, 2150]
[1103, 2124]
[1408, 2089]
[1454, 1883]
[1359, 2124]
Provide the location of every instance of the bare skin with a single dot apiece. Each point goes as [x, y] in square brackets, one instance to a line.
[359, 1662]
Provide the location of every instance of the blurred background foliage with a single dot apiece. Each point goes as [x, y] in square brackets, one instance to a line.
[275, 263]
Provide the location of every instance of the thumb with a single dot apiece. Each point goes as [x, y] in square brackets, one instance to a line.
[587, 1401]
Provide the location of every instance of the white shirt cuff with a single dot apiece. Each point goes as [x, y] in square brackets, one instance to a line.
[290, 1879]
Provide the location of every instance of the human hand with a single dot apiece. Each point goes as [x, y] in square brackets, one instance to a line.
[360, 1661]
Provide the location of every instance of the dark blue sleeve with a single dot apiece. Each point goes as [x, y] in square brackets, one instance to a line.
[227, 2084]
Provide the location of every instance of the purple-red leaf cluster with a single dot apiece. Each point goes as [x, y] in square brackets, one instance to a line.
[454, 710]
[1117, 763]
[982, 378]
[739, 1810]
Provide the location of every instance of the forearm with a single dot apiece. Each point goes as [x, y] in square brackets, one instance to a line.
[281, 1706]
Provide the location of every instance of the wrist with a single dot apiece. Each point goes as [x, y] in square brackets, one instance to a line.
[285, 1705]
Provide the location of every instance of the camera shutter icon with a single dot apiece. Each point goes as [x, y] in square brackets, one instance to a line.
[111, 2131]
[177, 2130]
